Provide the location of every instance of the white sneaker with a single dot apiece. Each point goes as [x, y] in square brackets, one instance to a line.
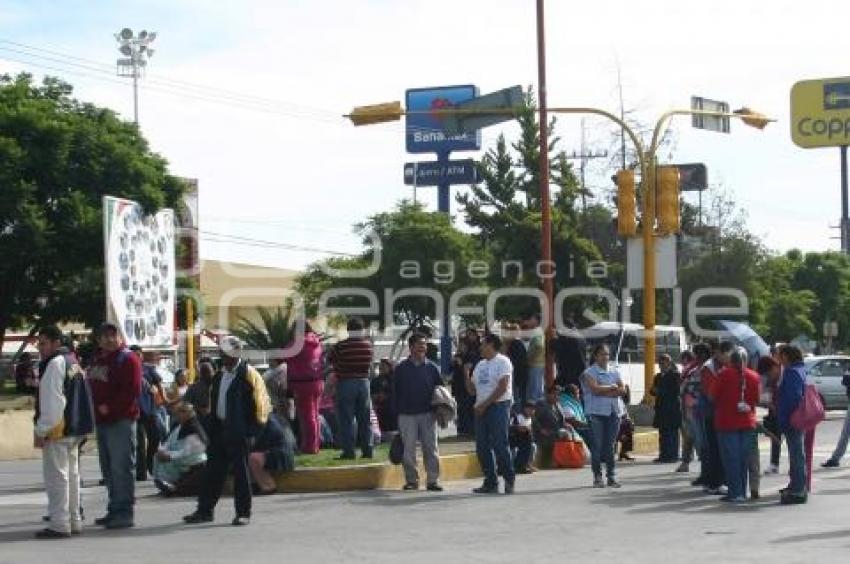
[772, 469]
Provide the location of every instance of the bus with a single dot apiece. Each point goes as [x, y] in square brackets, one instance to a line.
[625, 341]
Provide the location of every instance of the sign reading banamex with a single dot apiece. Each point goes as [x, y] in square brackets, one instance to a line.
[425, 130]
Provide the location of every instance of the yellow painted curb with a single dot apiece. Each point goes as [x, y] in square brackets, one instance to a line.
[372, 476]
[646, 442]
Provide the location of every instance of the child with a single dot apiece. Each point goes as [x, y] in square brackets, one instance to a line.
[522, 439]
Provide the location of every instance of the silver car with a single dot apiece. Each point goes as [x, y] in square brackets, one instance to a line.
[827, 372]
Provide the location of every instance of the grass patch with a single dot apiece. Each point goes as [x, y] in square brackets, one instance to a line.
[327, 458]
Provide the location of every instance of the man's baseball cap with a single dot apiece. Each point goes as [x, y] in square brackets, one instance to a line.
[231, 346]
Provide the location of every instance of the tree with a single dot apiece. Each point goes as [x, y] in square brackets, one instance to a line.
[274, 332]
[58, 157]
[420, 251]
[505, 211]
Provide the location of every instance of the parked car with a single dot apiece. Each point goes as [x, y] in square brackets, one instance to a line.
[827, 372]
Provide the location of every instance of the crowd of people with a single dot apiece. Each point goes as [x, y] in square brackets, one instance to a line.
[231, 419]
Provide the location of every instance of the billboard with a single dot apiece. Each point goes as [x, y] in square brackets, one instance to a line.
[140, 272]
[425, 132]
[820, 112]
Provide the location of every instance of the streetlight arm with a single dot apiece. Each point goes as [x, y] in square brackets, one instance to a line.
[749, 115]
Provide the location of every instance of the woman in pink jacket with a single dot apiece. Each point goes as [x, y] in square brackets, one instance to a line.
[304, 375]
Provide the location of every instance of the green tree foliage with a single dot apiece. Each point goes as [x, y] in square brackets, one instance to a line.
[274, 331]
[505, 211]
[420, 251]
[58, 157]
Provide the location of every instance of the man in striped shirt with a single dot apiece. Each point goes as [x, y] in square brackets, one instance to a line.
[352, 360]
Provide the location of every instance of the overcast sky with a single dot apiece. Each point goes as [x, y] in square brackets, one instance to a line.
[288, 169]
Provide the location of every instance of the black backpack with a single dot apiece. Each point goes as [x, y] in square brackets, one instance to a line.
[79, 407]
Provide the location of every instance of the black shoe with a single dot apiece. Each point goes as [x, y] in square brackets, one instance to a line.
[240, 521]
[49, 534]
[435, 487]
[612, 483]
[509, 488]
[755, 495]
[486, 489]
[164, 487]
[831, 463]
[698, 482]
[366, 454]
[120, 523]
[410, 486]
[102, 521]
[198, 517]
[793, 499]
[101, 482]
[346, 457]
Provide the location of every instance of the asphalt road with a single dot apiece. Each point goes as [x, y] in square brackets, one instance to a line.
[554, 516]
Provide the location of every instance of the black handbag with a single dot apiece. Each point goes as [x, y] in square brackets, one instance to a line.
[396, 449]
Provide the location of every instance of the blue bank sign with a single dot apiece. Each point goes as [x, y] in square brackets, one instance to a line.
[425, 131]
[436, 173]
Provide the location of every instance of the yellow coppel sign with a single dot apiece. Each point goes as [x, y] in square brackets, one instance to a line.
[820, 112]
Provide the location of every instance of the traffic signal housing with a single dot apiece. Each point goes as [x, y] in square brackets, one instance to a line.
[626, 203]
[667, 203]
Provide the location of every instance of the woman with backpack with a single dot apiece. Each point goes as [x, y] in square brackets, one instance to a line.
[791, 392]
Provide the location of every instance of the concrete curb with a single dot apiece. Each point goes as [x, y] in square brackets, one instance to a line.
[386, 476]
[17, 435]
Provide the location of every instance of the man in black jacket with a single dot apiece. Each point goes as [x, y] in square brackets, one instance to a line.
[239, 409]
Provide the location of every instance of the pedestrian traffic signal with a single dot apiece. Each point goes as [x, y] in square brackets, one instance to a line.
[667, 204]
[626, 213]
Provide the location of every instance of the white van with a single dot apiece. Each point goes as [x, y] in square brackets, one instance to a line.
[625, 341]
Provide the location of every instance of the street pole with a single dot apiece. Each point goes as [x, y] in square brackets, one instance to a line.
[444, 206]
[648, 227]
[545, 212]
[190, 341]
[845, 219]
[135, 92]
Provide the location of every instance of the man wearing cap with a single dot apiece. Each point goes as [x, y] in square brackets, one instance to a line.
[239, 409]
[116, 379]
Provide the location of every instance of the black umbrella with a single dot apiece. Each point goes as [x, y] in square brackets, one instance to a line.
[743, 335]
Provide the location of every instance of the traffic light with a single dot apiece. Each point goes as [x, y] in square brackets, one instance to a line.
[667, 204]
[626, 219]
[377, 113]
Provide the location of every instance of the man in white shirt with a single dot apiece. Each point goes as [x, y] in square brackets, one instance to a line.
[60, 453]
[490, 382]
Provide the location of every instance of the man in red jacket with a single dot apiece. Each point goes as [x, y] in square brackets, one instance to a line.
[116, 379]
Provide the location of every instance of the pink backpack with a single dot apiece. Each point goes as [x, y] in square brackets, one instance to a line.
[810, 412]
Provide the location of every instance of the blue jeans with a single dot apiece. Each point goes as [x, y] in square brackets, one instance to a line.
[534, 392]
[605, 429]
[116, 449]
[735, 453]
[491, 444]
[797, 459]
[353, 402]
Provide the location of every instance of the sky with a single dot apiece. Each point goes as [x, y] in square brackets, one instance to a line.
[247, 97]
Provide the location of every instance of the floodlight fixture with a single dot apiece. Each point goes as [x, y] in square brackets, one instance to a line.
[136, 51]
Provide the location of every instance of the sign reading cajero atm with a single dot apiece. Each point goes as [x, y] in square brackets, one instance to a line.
[820, 112]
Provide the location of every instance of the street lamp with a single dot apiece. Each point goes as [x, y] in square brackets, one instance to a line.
[392, 111]
[136, 50]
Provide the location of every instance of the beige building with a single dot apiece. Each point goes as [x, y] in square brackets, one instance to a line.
[232, 291]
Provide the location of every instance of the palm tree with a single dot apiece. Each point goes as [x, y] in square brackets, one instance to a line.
[274, 332]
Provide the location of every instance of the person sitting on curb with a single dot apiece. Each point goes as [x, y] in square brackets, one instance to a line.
[414, 381]
[549, 423]
[521, 438]
[273, 452]
[182, 454]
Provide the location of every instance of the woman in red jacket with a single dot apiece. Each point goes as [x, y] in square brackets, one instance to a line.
[304, 376]
[735, 393]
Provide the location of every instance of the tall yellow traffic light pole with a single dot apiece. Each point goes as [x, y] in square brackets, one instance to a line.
[380, 113]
